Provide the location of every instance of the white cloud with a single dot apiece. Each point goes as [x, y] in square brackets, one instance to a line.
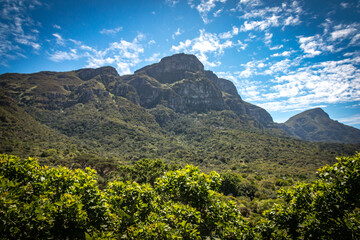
[249, 3]
[172, 3]
[276, 47]
[75, 41]
[226, 35]
[344, 5]
[252, 68]
[241, 45]
[312, 46]
[56, 26]
[96, 62]
[140, 36]
[111, 31]
[343, 33]
[352, 120]
[229, 34]
[122, 54]
[268, 37]
[300, 88]
[17, 29]
[336, 38]
[292, 21]
[283, 54]
[272, 21]
[260, 19]
[355, 40]
[324, 83]
[206, 43]
[218, 12]
[60, 56]
[261, 13]
[153, 58]
[59, 39]
[151, 42]
[177, 33]
[281, 67]
[205, 7]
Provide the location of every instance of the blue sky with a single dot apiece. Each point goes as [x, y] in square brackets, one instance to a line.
[285, 56]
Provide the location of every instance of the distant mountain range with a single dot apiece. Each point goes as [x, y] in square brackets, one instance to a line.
[172, 109]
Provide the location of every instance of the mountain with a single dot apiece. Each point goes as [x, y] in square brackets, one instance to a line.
[315, 125]
[173, 110]
[180, 83]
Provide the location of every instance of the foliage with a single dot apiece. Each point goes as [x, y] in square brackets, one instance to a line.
[219, 219]
[60, 203]
[237, 186]
[38, 202]
[325, 209]
[145, 170]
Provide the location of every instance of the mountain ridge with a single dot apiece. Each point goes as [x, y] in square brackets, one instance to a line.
[316, 125]
[198, 119]
[178, 82]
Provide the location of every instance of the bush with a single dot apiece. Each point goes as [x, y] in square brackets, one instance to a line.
[37, 202]
[325, 209]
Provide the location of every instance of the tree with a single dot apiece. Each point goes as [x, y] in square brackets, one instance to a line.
[145, 170]
[219, 218]
[234, 184]
[37, 202]
[328, 208]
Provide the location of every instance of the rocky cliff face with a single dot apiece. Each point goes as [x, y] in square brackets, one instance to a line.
[173, 68]
[316, 125]
[181, 83]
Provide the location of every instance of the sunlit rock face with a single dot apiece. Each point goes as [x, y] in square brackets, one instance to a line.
[173, 68]
[181, 83]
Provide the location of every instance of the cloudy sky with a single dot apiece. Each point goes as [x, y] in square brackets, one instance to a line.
[285, 56]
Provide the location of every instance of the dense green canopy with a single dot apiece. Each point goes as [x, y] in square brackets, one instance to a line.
[38, 202]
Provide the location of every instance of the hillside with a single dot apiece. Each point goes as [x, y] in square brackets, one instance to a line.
[316, 125]
[173, 110]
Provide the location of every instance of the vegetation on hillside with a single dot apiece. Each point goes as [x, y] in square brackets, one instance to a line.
[95, 118]
[108, 135]
[38, 202]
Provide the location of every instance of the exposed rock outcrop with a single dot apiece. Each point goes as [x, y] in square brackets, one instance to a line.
[181, 83]
[173, 68]
[89, 73]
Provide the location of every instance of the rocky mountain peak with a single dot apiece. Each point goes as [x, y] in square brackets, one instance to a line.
[89, 73]
[316, 125]
[179, 82]
[182, 62]
[173, 68]
[316, 116]
[315, 113]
